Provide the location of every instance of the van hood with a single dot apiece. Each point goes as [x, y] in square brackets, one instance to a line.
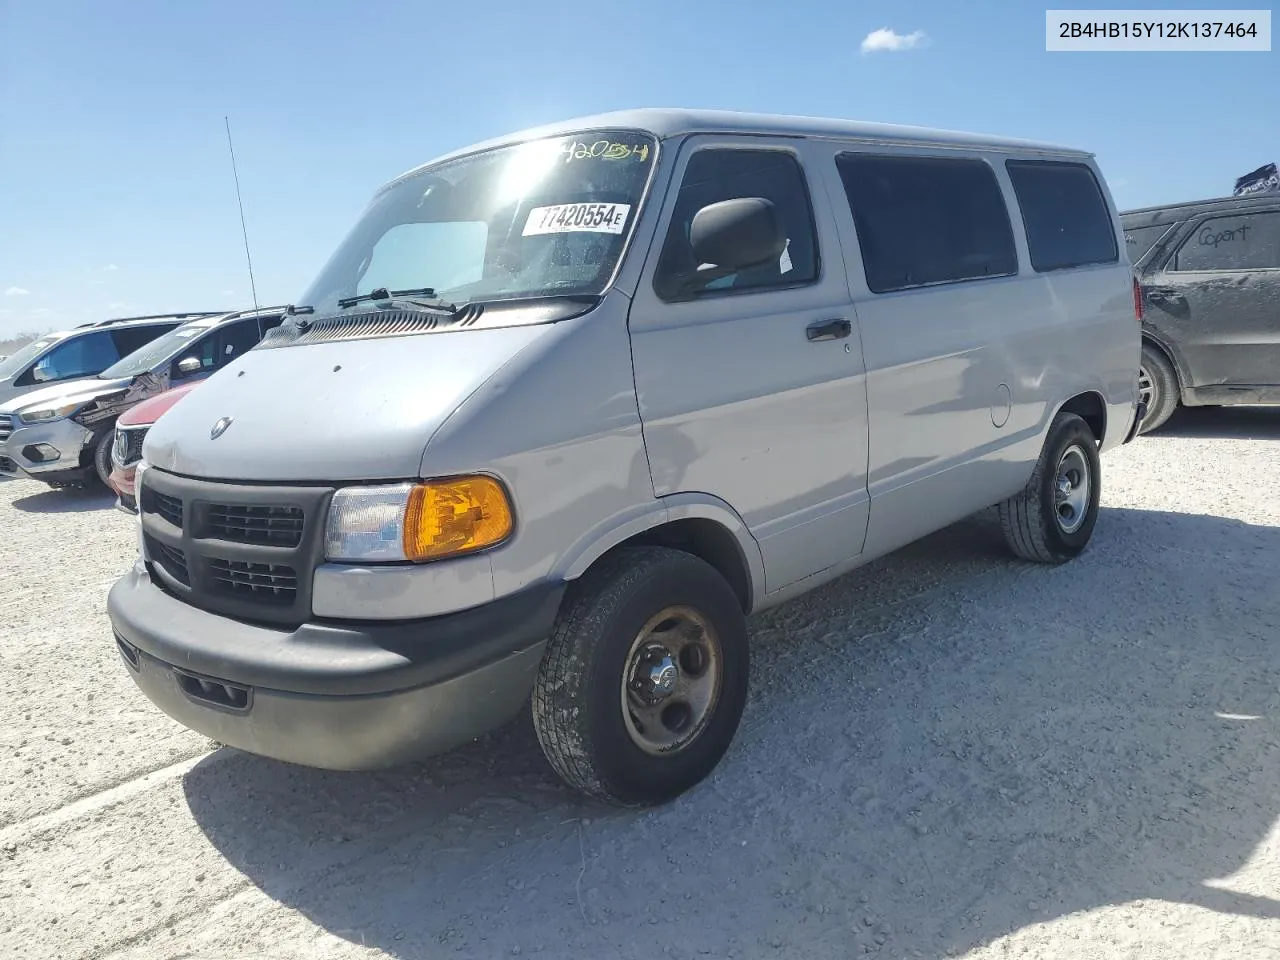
[340, 411]
[74, 391]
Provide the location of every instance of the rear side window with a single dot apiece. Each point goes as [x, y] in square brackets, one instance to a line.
[1138, 240]
[1065, 215]
[129, 339]
[715, 175]
[922, 220]
[1250, 242]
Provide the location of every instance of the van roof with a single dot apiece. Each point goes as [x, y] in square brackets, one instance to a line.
[1170, 212]
[665, 123]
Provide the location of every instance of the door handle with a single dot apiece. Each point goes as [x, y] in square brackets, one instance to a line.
[1156, 295]
[828, 330]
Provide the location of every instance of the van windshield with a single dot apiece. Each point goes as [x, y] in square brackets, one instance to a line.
[156, 352]
[12, 365]
[543, 218]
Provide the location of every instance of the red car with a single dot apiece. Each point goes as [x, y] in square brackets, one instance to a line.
[131, 428]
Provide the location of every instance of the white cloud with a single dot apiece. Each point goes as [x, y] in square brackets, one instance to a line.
[886, 40]
[110, 268]
[228, 293]
[16, 292]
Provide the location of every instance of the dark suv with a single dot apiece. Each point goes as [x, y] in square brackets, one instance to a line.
[1210, 276]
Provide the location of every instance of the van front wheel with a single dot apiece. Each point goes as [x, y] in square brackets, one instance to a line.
[1053, 517]
[644, 678]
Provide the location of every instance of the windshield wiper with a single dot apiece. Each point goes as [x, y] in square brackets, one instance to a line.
[382, 293]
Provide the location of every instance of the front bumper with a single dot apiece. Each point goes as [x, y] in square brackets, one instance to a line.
[19, 456]
[335, 695]
[122, 482]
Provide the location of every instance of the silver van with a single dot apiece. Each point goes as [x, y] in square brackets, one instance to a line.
[565, 407]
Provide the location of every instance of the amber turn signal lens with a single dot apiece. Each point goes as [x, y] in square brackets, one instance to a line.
[444, 518]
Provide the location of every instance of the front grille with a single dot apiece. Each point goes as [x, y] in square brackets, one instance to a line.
[245, 551]
[170, 559]
[168, 507]
[128, 445]
[6, 426]
[252, 523]
[7, 465]
[264, 582]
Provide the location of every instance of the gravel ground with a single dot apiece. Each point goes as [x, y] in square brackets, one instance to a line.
[946, 753]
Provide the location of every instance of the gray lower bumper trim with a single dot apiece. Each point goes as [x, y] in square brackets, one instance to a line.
[356, 732]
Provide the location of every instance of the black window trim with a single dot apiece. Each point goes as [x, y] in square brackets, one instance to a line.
[1093, 177]
[720, 293]
[928, 285]
[1193, 225]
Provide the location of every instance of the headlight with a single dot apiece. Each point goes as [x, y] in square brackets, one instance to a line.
[45, 414]
[417, 521]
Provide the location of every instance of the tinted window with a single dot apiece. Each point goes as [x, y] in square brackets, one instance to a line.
[78, 357]
[1065, 215]
[235, 339]
[216, 349]
[1138, 240]
[1233, 243]
[922, 220]
[270, 323]
[715, 175]
[129, 339]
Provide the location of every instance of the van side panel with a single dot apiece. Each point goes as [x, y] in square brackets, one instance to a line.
[737, 402]
[963, 378]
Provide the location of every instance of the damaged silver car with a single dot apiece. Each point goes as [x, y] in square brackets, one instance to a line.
[62, 435]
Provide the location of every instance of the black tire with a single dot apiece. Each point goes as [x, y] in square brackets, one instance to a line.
[578, 697]
[1160, 382]
[102, 458]
[1035, 524]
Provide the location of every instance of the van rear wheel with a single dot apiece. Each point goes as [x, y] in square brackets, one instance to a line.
[1052, 518]
[644, 679]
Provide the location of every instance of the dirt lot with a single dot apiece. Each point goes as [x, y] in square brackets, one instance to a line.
[945, 754]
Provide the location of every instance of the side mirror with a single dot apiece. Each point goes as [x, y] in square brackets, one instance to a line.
[733, 235]
[189, 365]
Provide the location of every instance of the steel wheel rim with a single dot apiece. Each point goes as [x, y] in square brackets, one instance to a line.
[671, 680]
[1071, 489]
[1147, 387]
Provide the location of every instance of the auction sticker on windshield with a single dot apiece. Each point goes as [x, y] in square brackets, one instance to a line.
[577, 218]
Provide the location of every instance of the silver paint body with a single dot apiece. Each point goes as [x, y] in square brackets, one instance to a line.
[816, 456]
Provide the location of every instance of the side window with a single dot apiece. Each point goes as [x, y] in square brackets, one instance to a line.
[235, 339]
[1250, 242]
[1066, 217]
[722, 174]
[78, 357]
[129, 339]
[1138, 240]
[922, 220]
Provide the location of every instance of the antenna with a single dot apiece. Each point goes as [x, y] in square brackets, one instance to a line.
[243, 229]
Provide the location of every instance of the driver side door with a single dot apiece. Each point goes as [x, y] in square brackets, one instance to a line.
[751, 388]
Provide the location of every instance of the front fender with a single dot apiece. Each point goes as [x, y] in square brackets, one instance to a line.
[681, 506]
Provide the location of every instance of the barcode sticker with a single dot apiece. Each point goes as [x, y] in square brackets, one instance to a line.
[577, 218]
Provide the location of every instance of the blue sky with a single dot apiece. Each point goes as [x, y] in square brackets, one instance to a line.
[118, 196]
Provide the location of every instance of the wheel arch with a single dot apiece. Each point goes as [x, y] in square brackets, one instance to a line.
[1180, 374]
[1091, 407]
[701, 525]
